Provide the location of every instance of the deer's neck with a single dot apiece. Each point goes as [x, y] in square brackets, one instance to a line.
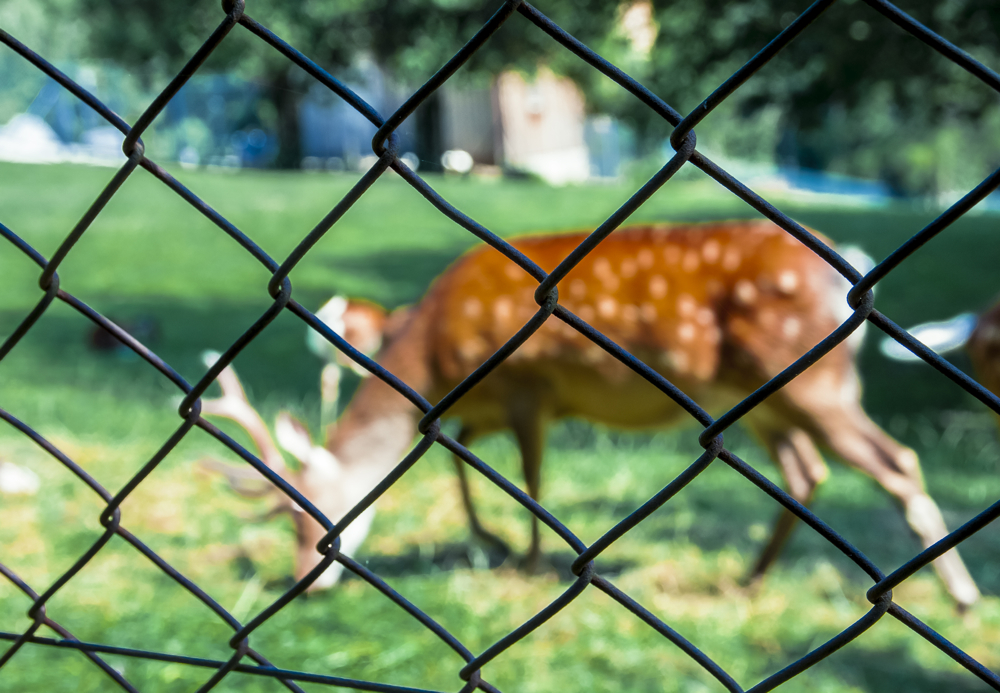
[379, 425]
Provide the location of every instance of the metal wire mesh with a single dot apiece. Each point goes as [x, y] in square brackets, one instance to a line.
[280, 289]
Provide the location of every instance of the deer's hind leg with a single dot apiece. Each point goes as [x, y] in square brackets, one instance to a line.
[803, 470]
[826, 403]
[528, 420]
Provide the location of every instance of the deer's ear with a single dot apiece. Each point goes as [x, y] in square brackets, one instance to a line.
[364, 327]
[293, 436]
[332, 314]
[209, 357]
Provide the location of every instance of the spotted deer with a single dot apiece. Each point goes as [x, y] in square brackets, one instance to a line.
[717, 309]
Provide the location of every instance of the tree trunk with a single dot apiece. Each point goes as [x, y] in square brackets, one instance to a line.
[285, 98]
[429, 144]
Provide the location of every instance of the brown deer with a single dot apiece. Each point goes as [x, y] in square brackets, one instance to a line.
[717, 309]
[984, 349]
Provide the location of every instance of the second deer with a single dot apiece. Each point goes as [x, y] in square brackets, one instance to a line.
[364, 325]
[979, 335]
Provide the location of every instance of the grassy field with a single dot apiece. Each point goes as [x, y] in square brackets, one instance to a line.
[149, 255]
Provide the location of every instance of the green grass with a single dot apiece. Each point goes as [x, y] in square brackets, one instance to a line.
[150, 255]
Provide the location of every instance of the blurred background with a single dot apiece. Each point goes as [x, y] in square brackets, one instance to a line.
[854, 97]
[855, 129]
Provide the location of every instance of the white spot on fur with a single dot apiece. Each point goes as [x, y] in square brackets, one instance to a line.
[645, 258]
[578, 288]
[686, 305]
[602, 270]
[602, 267]
[788, 281]
[686, 332]
[705, 316]
[710, 251]
[731, 259]
[514, 272]
[792, 327]
[745, 292]
[672, 254]
[691, 261]
[647, 311]
[610, 282]
[657, 286]
[472, 308]
[607, 307]
[503, 309]
[629, 268]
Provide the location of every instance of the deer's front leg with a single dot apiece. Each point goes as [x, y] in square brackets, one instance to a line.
[480, 534]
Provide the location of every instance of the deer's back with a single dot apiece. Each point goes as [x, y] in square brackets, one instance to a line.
[715, 308]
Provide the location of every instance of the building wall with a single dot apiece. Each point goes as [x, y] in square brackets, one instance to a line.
[468, 122]
[542, 121]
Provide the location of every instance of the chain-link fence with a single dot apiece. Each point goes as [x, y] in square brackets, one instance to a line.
[587, 565]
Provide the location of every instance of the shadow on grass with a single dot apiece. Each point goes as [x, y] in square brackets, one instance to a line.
[882, 671]
[443, 558]
[561, 563]
[433, 558]
[722, 518]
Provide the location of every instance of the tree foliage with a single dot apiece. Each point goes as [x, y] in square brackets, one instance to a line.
[409, 38]
[855, 93]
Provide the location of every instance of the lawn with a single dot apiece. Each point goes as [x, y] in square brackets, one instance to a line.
[150, 256]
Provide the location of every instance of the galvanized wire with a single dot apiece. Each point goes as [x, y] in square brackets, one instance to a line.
[279, 287]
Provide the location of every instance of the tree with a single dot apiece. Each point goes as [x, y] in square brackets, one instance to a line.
[409, 38]
[854, 92]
